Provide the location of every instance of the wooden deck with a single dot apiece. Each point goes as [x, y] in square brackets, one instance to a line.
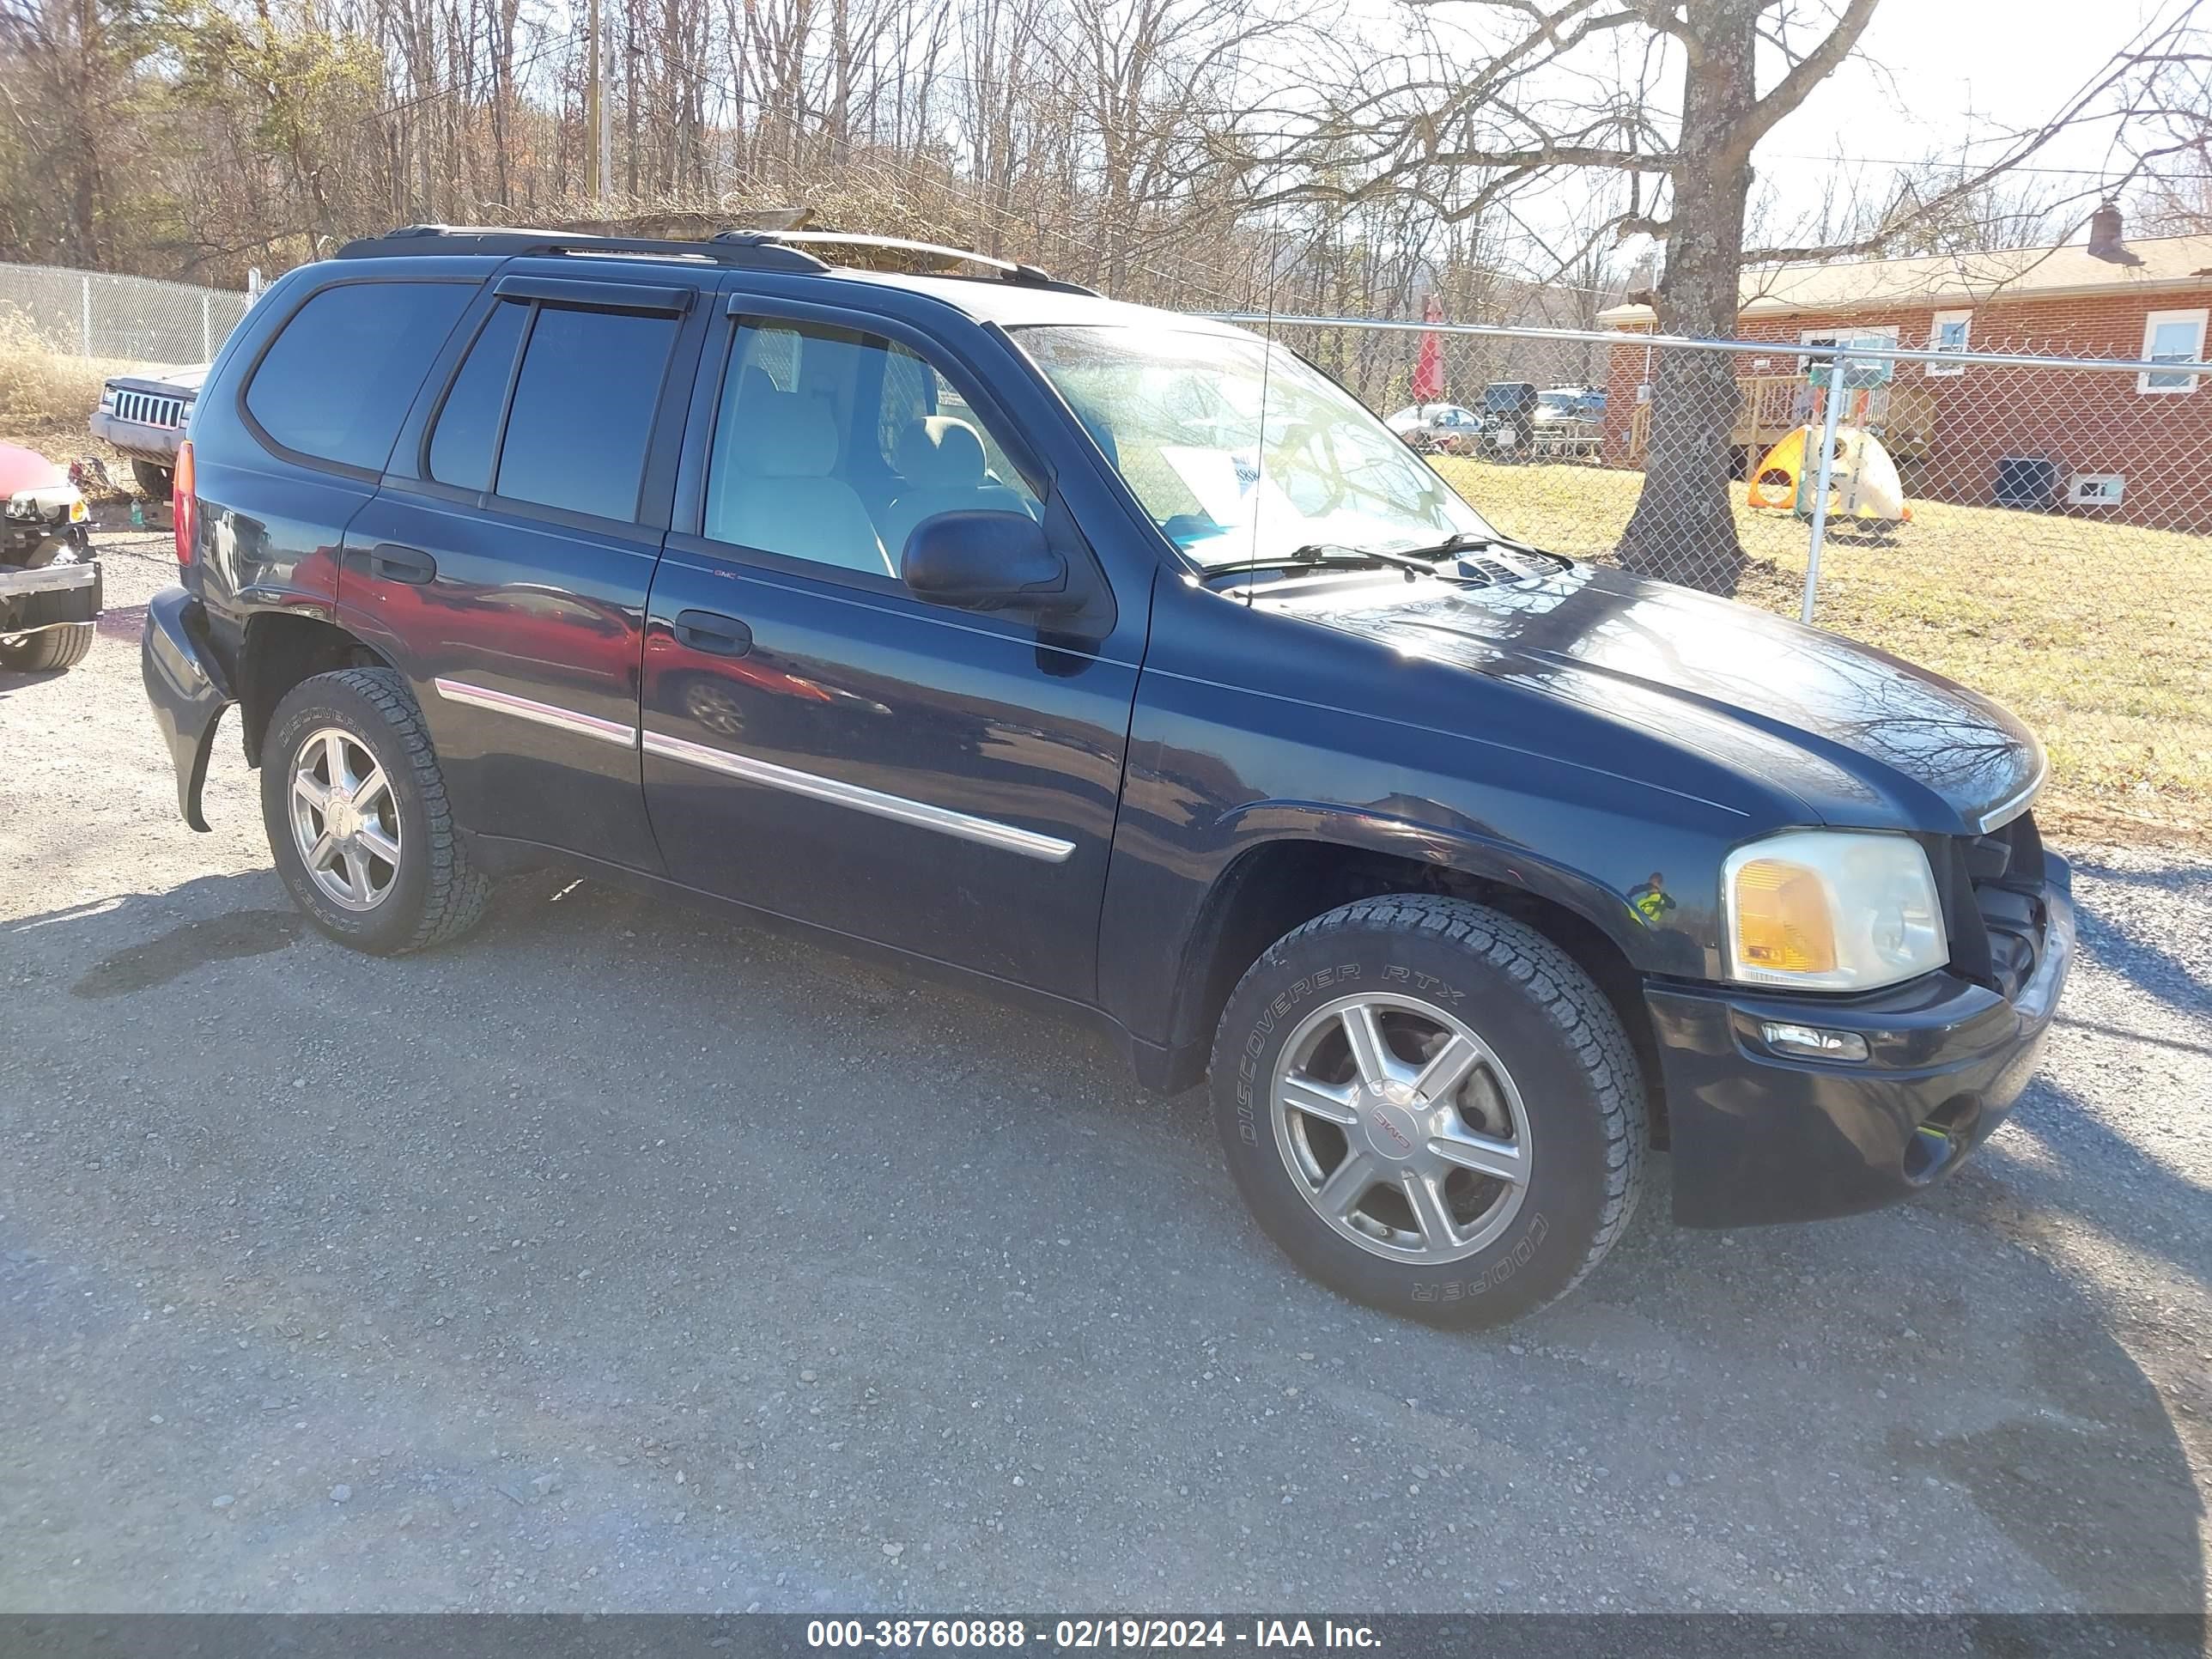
[1902, 414]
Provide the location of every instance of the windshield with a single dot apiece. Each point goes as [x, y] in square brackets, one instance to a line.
[1178, 414]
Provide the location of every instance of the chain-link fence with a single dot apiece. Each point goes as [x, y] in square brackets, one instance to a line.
[1703, 461]
[131, 320]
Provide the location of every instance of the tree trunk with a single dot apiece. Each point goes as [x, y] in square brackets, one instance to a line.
[1683, 529]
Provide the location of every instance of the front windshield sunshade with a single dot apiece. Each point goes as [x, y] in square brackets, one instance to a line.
[1179, 415]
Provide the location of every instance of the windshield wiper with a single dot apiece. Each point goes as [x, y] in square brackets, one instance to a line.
[1334, 556]
[1414, 562]
[1336, 553]
[1462, 541]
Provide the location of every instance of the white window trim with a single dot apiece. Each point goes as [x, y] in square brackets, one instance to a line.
[1935, 334]
[2151, 325]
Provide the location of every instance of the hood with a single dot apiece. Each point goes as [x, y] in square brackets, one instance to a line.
[26, 469]
[1860, 737]
[184, 382]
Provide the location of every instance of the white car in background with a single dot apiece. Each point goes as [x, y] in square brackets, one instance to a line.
[1437, 428]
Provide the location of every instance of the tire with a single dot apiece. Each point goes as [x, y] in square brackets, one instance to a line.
[156, 482]
[1553, 1095]
[429, 894]
[48, 651]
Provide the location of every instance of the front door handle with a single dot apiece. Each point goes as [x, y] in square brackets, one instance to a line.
[710, 630]
[391, 562]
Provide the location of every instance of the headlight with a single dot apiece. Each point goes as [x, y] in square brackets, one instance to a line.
[1832, 910]
[107, 400]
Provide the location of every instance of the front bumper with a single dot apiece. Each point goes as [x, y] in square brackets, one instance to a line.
[52, 596]
[1759, 1137]
[139, 440]
[186, 688]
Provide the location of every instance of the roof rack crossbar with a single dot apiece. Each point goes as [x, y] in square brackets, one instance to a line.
[1007, 270]
[513, 243]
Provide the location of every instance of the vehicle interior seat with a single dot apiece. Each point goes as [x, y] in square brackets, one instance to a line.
[776, 489]
[941, 457]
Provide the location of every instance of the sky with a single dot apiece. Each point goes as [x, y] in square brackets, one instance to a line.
[1928, 76]
[1952, 70]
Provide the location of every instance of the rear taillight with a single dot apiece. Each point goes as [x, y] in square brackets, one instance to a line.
[183, 504]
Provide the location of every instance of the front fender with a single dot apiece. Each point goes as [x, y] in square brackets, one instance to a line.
[1257, 823]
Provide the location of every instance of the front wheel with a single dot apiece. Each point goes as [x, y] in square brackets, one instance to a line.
[355, 810]
[1431, 1107]
[154, 481]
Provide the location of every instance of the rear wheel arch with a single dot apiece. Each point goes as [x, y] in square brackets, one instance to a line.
[1278, 885]
[281, 649]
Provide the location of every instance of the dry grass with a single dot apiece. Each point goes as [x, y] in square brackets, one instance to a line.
[2099, 636]
[39, 387]
[47, 396]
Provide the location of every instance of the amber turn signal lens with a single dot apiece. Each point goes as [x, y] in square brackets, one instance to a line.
[184, 502]
[1783, 923]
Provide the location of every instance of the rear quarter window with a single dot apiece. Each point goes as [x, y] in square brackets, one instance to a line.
[335, 384]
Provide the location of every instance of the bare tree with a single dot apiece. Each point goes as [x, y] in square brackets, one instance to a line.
[1488, 99]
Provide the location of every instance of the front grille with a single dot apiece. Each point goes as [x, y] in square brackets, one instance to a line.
[1993, 905]
[150, 409]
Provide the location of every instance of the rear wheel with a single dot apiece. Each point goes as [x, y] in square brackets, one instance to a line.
[47, 651]
[155, 480]
[1431, 1107]
[355, 810]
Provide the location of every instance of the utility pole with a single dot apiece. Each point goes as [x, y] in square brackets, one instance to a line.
[598, 141]
[600, 33]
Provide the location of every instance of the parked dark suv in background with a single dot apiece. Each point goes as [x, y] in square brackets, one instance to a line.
[967, 618]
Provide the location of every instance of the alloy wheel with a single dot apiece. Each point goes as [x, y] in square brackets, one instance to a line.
[345, 822]
[1402, 1128]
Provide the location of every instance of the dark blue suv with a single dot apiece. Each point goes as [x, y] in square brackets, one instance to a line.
[1109, 658]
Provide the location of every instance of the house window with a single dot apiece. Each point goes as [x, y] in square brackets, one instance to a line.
[2171, 336]
[1863, 372]
[1948, 331]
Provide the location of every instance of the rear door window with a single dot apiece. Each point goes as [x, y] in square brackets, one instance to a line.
[467, 433]
[335, 384]
[581, 415]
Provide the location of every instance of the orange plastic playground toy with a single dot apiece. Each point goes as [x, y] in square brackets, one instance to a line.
[1862, 481]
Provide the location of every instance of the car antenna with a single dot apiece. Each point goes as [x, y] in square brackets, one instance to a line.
[1267, 364]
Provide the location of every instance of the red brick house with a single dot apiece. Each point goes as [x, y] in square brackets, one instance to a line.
[2137, 447]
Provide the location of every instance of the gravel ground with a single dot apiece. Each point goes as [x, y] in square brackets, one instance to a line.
[620, 1257]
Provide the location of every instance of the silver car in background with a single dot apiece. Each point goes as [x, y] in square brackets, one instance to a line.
[144, 416]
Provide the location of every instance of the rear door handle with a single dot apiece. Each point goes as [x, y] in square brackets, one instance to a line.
[391, 561]
[710, 630]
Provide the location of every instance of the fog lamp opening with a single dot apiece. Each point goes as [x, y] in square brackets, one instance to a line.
[1813, 1042]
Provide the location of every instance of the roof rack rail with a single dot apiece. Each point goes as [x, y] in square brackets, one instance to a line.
[511, 243]
[1007, 270]
[763, 250]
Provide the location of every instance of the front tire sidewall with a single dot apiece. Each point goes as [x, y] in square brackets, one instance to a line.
[1549, 1243]
[393, 925]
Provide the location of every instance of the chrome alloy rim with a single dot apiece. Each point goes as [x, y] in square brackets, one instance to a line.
[345, 823]
[1402, 1128]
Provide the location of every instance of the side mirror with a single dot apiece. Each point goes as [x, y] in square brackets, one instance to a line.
[984, 560]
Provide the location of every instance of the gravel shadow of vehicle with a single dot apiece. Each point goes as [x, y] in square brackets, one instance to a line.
[618, 1237]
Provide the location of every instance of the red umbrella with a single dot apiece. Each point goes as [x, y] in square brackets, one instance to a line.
[1429, 371]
